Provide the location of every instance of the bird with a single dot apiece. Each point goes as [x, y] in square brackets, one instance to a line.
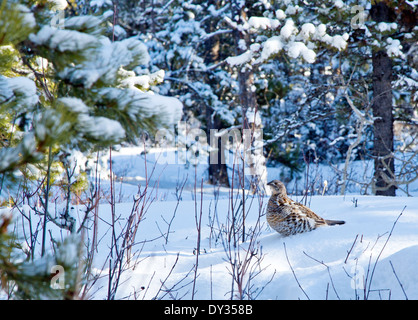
[289, 217]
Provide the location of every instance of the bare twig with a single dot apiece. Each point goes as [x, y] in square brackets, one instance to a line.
[198, 220]
[351, 249]
[293, 271]
[329, 273]
[380, 253]
[400, 283]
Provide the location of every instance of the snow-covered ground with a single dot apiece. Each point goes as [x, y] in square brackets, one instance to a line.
[374, 255]
[186, 245]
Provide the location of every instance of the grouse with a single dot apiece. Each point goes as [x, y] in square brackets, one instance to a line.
[289, 217]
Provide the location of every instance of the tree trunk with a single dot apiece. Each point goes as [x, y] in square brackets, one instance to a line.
[252, 129]
[218, 174]
[384, 166]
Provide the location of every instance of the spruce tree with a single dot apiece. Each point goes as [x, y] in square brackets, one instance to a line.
[79, 88]
[67, 85]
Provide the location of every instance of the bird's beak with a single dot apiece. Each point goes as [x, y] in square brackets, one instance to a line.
[270, 183]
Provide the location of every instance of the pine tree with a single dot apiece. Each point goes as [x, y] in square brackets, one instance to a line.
[66, 86]
[306, 65]
[381, 34]
[328, 27]
[188, 42]
[269, 32]
[79, 88]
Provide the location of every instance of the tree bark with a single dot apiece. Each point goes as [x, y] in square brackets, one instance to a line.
[384, 166]
[218, 174]
[254, 158]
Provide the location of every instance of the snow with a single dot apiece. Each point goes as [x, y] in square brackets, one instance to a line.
[295, 49]
[270, 47]
[101, 128]
[97, 127]
[253, 117]
[280, 14]
[263, 23]
[240, 59]
[339, 4]
[296, 42]
[413, 4]
[28, 17]
[63, 40]
[394, 48]
[288, 29]
[23, 88]
[75, 105]
[103, 57]
[169, 108]
[144, 81]
[138, 50]
[141, 104]
[84, 23]
[308, 55]
[144, 105]
[338, 41]
[69, 250]
[384, 26]
[329, 263]
[8, 157]
[291, 10]
[100, 3]
[307, 30]
[321, 30]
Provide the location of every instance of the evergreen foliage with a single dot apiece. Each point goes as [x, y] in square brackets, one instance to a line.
[66, 87]
[77, 88]
[305, 59]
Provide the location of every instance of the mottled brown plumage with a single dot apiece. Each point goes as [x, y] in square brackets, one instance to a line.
[289, 217]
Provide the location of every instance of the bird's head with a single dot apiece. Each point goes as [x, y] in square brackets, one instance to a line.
[277, 187]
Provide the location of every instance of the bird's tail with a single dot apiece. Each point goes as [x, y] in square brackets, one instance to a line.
[334, 222]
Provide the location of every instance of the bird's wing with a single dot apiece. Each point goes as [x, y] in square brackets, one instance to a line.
[283, 205]
[309, 213]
